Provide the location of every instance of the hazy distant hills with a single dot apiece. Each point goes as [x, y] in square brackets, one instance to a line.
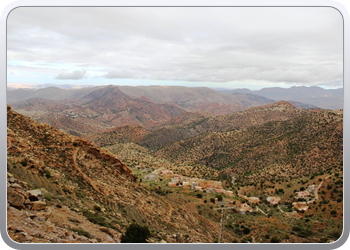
[98, 110]
[87, 110]
[316, 96]
[195, 99]
[193, 124]
[90, 110]
[191, 99]
[50, 93]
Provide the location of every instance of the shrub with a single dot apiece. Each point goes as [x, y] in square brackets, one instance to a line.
[219, 196]
[24, 163]
[75, 144]
[81, 232]
[275, 240]
[136, 234]
[246, 230]
[47, 174]
[97, 208]
[199, 196]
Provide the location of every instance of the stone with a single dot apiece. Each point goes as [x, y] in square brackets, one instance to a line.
[38, 205]
[35, 195]
[12, 180]
[16, 199]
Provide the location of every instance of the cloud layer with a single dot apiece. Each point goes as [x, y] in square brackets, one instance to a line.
[291, 45]
[74, 75]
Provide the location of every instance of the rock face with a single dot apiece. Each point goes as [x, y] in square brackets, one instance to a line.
[40, 222]
[78, 177]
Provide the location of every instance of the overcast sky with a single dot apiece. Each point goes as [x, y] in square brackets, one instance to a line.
[213, 47]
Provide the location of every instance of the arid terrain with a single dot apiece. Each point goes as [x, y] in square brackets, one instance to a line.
[82, 165]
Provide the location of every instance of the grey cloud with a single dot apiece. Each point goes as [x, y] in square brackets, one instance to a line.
[302, 45]
[118, 74]
[74, 75]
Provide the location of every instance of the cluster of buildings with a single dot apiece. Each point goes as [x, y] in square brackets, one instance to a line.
[185, 182]
[307, 195]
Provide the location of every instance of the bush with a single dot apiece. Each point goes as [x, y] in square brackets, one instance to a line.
[136, 234]
[47, 174]
[199, 196]
[275, 240]
[81, 232]
[246, 230]
[97, 208]
[24, 163]
[219, 196]
[75, 144]
[212, 200]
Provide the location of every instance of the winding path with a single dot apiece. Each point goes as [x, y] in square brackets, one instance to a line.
[318, 187]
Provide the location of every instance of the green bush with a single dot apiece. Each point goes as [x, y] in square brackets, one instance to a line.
[275, 240]
[199, 196]
[136, 234]
[97, 208]
[219, 196]
[81, 232]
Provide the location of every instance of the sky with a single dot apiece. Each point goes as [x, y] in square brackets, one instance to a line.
[213, 47]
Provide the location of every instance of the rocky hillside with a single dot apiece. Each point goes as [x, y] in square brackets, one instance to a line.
[285, 149]
[92, 183]
[138, 157]
[236, 121]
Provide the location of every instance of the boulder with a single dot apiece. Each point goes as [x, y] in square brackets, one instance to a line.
[16, 198]
[38, 205]
[35, 195]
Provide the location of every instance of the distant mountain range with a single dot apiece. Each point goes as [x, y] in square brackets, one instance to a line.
[94, 109]
[313, 96]
[87, 110]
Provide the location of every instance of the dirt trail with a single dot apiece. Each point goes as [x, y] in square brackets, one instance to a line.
[85, 177]
[316, 190]
[261, 210]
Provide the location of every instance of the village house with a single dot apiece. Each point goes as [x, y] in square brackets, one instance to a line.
[311, 189]
[172, 184]
[218, 190]
[244, 208]
[198, 188]
[166, 173]
[216, 200]
[302, 194]
[176, 180]
[194, 185]
[186, 185]
[253, 200]
[273, 200]
[229, 193]
[301, 206]
[150, 177]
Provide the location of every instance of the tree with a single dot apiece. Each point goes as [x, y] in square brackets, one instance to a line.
[219, 196]
[136, 234]
[199, 196]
